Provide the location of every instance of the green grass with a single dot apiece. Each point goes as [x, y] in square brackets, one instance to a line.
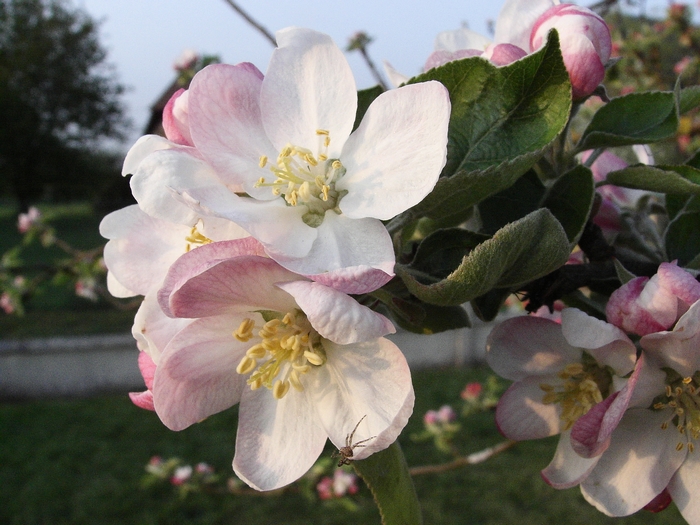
[81, 461]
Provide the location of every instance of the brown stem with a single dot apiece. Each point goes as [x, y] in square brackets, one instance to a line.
[375, 72]
[252, 22]
[471, 459]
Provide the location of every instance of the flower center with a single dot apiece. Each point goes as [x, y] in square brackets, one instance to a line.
[303, 178]
[288, 347]
[196, 239]
[683, 396]
[580, 389]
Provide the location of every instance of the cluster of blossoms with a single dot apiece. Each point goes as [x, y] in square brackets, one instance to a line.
[342, 484]
[521, 29]
[628, 415]
[257, 214]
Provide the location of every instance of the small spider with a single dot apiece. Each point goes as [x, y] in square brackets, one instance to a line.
[346, 453]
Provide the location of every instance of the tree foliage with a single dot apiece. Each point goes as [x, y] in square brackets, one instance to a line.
[58, 96]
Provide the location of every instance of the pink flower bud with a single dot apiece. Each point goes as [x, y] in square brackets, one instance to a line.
[430, 417]
[29, 219]
[471, 391]
[6, 303]
[585, 44]
[446, 414]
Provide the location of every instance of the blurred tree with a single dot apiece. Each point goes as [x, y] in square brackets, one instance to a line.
[58, 97]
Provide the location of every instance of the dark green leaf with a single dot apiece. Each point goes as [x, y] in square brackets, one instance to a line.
[570, 200]
[386, 475]
[488, 306]
[637, 118]
[689, 99]
[441, 252]
[623, 273]
[662, 179]
[511, 204]
[499, 114]
[518, 253]
[683, 238]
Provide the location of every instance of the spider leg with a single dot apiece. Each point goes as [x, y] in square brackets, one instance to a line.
[359, 443]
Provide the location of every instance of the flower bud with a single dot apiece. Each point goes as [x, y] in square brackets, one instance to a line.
[585, 44]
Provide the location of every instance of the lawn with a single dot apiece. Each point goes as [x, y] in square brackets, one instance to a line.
[82, 461]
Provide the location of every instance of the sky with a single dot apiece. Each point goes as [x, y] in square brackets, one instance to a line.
[143, 38]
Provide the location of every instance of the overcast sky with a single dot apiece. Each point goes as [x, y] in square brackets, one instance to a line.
[145, 37]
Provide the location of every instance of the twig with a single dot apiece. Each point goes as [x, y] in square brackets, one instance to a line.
[372, 67]
[471, 459]
[252, 22]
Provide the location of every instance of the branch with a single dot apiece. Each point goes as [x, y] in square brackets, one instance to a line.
[252, 22]
[471, 459]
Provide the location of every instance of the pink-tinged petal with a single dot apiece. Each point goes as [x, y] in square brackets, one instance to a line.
[278, 226]
[164, 174]
[363, 379]
[308, 86]
[240, 284]
[200, 260]
[504, 54]
[604, 164]
[684, 488]
[196, 376]
[143, 400]
[141, 247]
[641, 306]
[609, 345]
[679, 282]
[586, 71]
[526, 346]
[337, 316]
[343, 248]
[441, 57]
[637, 466]
[567, 469]
[226, 124]
[405, 123]
[678, 349]
[176, 119]
[147, 367]
[277, 440]
[461, 39]
[152, 329]
[143, 147]
[660, 502]
[650, 381]
[520, 413]
[515, 21]
[353, 280]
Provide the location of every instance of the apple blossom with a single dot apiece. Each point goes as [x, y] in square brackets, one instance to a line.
[643, 306]
[315, 193]
[305, 362]
[585, 43]
[560, 372]
[654, 446]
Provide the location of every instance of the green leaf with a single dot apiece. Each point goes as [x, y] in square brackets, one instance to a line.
[623, 274]
[509, 205]
[571, 199]
[689, 99]
[637, 118]
[683, 238]
[488, 306]
[518, 253]
[499, 114]
[662, 179]
[442, 251]
[365, 97]
[386, 474]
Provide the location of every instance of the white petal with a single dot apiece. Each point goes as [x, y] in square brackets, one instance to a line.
[394, 158]
[164, 174]
[196, 376]
[369, 380]
[516, 19]
[116, 288]
[567, 469]
[141, 247]
[524, 346]
[152, 329]
[685, 489]
[461, 38]
[143, 147]
[337, 316]
[308, 86]
[606, 342]
[521, 414]
[637, 466]
[277, 440]
[342, 244]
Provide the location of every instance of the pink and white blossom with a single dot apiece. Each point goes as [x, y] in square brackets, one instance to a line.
[560, 373]
[316, 192]
[653, 449]
[305, 363]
